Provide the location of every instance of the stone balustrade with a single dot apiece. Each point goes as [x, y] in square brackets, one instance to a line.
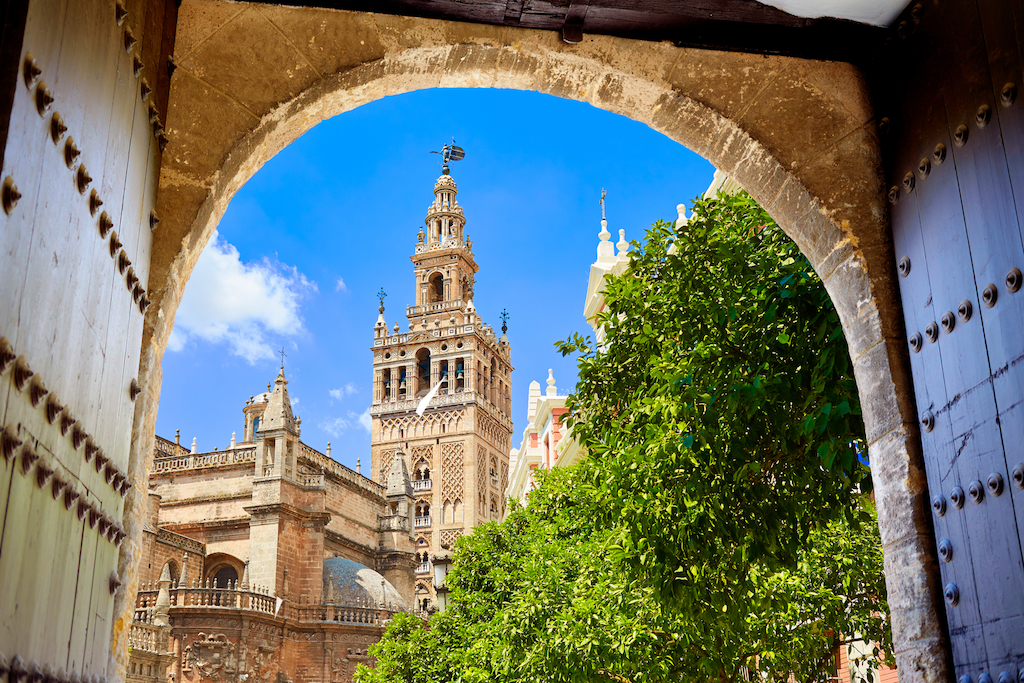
[334, 468]
[422, 522]
[142, 637]
[423, 568]
[393, 522]
[229, 598]
[195, 461]
[312, 480]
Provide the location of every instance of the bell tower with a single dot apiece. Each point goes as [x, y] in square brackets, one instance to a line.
[457, 447]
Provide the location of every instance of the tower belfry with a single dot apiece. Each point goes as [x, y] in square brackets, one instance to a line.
[457, 449]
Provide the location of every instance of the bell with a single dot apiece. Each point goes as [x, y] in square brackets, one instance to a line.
[459, 375]
[402, 385]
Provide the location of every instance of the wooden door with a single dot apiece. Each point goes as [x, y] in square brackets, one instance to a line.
[953, 137]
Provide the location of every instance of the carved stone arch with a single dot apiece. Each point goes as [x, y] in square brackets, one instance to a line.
[799, 135]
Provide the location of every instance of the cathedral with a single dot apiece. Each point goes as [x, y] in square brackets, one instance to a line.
[269, 561]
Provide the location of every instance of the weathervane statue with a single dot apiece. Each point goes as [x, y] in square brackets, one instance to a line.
[450, 153]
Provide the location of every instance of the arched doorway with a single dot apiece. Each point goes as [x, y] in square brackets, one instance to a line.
[716, 104]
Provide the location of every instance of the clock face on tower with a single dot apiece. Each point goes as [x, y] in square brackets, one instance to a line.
[442, 389]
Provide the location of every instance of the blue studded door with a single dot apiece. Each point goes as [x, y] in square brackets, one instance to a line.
[952, 130]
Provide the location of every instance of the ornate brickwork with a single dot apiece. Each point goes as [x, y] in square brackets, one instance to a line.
[424, 452]
[451, 471]
[449, 536]
[386, 458]
[481, 468]
[503, 484]
[416, 426]
[495, 434]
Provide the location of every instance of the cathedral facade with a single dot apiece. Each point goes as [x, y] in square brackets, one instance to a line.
[442, 392]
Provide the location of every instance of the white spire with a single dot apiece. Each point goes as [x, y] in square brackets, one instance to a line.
[551, 390]
[193, 444]
[233, 439]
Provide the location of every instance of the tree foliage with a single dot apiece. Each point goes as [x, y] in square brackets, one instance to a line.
[715, 530]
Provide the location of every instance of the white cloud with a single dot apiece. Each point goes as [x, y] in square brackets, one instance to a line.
[344, 391]
[340, 286]
[364, 420]
[294, 400]
[336, 426]
[240, 304]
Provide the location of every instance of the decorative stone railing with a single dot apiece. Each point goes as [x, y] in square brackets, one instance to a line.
[168, 449]
[178, 541]
[334, 468]
[209, 596]
[312, 480]
[421, 484]
[436, 307]
[195, 461]
[393, 523]
[339, 614]
[146, 636]
[365, 612]
[423, 568]
[421, 522]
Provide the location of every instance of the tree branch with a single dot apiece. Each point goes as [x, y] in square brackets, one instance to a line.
[613, 676]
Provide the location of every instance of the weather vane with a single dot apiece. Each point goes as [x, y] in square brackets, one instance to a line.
[504, 320]
[450, 153]
[603, 195]
[380, 295]
[282, 356]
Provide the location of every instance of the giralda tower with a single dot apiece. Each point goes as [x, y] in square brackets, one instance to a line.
[457, 450]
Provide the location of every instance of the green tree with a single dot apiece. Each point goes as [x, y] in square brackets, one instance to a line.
[715, 528]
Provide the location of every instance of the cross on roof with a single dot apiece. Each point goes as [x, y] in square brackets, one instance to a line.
[282, 356]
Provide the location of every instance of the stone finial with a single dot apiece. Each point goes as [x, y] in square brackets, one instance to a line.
[233, 439]
[396, 327]
[194, 444]
[551, 390]
[623, 245]
[328, 449]
[177, 437]
[183, 579]
[359, 467]
[245, 576]
[163, 598]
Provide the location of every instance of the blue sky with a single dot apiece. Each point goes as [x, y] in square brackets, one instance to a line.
[306, 244]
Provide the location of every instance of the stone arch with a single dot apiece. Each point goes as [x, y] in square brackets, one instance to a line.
[799, 135]
[221, 565]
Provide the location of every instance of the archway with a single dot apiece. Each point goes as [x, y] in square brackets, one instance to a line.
[798, 135]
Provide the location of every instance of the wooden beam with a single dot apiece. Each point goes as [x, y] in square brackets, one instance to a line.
[730, 25]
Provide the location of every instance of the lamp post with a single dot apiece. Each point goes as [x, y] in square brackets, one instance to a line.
[442, 563]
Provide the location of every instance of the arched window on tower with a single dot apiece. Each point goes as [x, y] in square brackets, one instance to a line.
[436, 288]
[423, 371]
